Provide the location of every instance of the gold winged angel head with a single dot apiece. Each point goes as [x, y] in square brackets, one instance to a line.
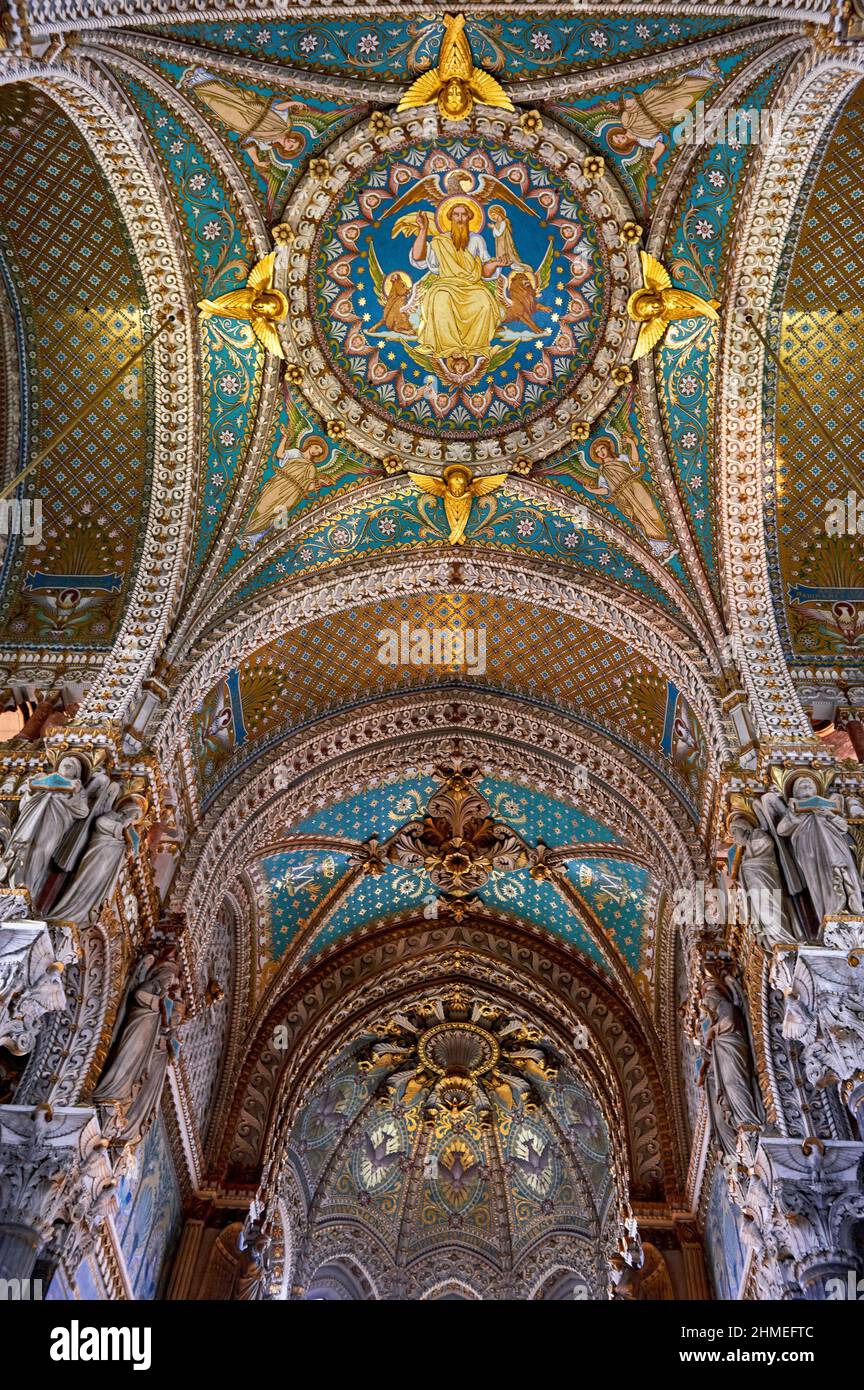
[658, 303]
[455, 84]
[260, 305]
[458, 487]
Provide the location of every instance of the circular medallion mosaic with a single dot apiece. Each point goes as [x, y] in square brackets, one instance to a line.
[449, 292]
[458, 288]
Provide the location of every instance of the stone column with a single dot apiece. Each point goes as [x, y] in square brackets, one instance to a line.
[693, 1260]
[823, 991]
[803, 1201]
[56, 1184]
[185, 1264]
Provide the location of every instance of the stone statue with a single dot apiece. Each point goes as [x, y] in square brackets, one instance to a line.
[100, 866]
[253, 1278]
[727, 1071]
[819, 837]
[144, 1044]
[753, 863]
[101, 794]
[52, 803]
[31, 981]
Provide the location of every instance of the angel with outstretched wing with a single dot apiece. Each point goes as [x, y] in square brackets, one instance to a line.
[455, 184]
[455, 84]
[302, 467]
[658, 303]
[260, 305]
[458, 487]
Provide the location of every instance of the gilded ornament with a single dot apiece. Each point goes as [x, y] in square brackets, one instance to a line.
[658, 303]
[319, 168]
[260, 305]
[459, 488]
[455, 84]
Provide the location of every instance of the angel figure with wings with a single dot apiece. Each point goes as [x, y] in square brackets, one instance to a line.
[460, 305]
[458, 487]
[455, 84]
[659, 303]
[301, 470]
[641, 125]
[260, 305]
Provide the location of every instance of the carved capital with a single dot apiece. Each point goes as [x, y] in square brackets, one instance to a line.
[31, 981]
[802, 1203]
[823, 992]
[56, 1181]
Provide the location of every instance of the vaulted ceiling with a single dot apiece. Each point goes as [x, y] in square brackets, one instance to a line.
[228, 541]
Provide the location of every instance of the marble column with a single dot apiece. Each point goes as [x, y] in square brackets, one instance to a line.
[56, 1185]
[803, 1202]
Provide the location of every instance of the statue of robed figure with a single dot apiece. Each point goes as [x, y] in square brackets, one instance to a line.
[144, 1044]
[727, 1068]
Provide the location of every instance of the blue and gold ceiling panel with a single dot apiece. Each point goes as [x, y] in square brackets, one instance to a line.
[370, 900]
[410, 520]
[302, 468]
[540, 903]
[392, 47]
[302, 883]
[685, 365]
[298, 883]
[78, 299]
[619, 894]
[379, 811]
[272, 131]
[641, 129]
[545, 656]
[537, 816]
[614, 472]
[221, 254]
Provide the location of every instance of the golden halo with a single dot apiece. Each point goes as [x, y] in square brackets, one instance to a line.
[395, 275]
[443, 218]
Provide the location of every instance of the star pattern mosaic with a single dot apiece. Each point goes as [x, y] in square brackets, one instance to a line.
[221, 256]
[541, 655]
[77, 296]
[301, 882]
[394, 47]
[816, 535]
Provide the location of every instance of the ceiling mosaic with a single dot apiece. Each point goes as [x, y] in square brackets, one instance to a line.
[452, 1118]
[238, 122]
[75, 295]
[419, 576]
[507, 645]
[545, 326]
[388, 47]
[816, 536]
[399, 351]
[314, 897]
